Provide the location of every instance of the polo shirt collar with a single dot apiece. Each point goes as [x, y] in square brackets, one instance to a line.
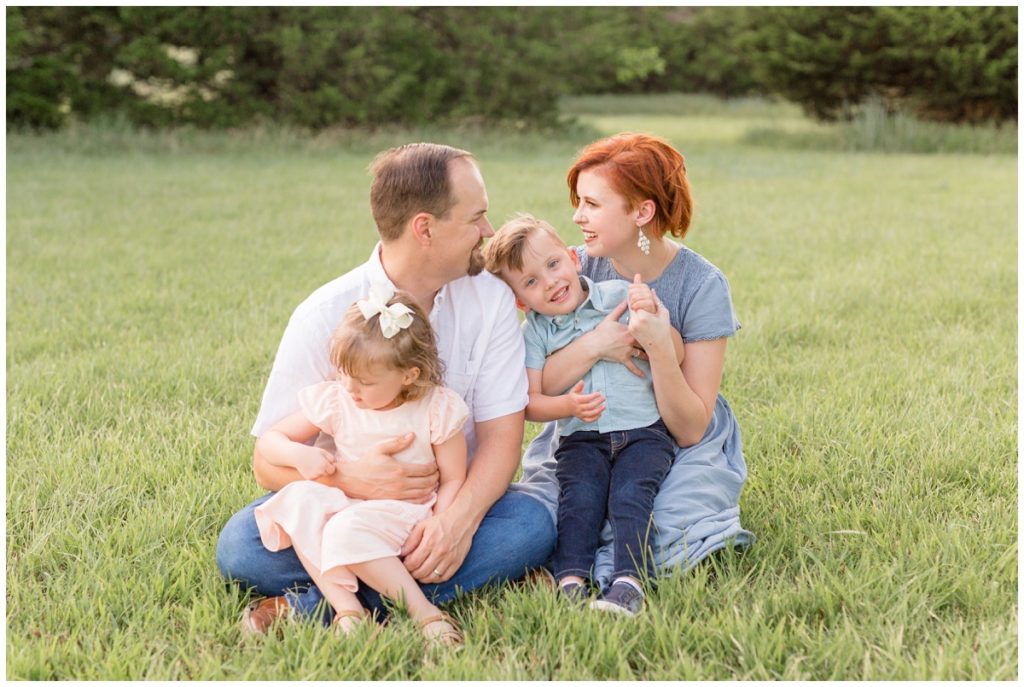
[592, 301]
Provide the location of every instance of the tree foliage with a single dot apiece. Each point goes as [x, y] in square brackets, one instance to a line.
[948, 63]
[320, 66]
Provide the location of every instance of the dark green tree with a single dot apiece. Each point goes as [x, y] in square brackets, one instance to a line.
[953, 63]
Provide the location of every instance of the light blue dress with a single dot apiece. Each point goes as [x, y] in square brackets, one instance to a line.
[697, 509]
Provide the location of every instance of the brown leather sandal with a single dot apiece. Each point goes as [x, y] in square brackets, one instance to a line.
[450, 636]
[260, 615]
[348, 628]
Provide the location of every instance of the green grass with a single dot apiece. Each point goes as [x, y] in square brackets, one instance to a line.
[780, 125]
[872, 128]
[149, 277]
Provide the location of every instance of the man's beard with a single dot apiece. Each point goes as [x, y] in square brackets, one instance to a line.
[476, 263]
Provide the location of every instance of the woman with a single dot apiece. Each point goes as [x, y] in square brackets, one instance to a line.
[631, 193]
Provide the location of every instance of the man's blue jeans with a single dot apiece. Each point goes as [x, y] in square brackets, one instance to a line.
[615, 474]
[514, 537]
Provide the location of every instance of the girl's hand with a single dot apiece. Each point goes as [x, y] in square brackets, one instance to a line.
[640, 296]
[314, 463]
[586, 407]
[652, 329]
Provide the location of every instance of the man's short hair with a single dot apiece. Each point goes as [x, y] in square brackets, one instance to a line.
[505, 250]
[410, 179]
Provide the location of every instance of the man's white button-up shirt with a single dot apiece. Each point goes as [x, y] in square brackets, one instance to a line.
[478, 338]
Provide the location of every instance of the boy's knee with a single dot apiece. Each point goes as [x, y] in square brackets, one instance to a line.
[643, 486]
[626, 492]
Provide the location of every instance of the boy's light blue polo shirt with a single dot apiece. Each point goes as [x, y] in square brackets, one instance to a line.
[629, 400]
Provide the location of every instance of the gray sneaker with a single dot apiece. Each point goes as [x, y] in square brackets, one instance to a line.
[622, 598]
[575, 593]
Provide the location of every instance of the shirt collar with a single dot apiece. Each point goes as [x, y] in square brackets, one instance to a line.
[592, 301]
[375, 268]
[595, 299]
[375, 272]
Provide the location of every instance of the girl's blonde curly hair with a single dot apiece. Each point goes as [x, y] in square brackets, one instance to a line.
[358, 344]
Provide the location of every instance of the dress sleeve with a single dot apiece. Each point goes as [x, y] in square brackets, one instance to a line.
[319, 403]
[710, 314]
[447, 414]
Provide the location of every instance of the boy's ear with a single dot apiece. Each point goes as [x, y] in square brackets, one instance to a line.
[575, 259]
[521, 305]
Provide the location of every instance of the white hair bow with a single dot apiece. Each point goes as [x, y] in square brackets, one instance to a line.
[393, 318]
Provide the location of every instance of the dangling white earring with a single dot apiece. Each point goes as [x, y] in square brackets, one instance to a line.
[643, 243]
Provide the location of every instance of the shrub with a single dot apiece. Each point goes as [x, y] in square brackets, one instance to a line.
[703, 51]
[949, 63]
[320, 66]
[306, 66]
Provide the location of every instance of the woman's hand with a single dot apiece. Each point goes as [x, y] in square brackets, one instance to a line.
[611, 340]
[652, 330]
[640, 296]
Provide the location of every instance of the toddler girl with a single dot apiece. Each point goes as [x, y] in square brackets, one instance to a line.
[389, 384]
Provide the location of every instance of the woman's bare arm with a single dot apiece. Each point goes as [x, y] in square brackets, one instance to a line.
[686, 393]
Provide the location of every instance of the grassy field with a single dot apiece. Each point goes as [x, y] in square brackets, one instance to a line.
[149, 278]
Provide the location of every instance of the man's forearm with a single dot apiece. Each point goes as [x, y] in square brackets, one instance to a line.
[494, 464]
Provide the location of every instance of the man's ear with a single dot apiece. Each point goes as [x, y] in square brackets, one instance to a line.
[422, 227]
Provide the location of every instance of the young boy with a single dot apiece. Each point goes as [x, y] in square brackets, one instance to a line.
[614, 450]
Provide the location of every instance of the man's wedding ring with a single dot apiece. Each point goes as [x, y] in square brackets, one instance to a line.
[437, 572]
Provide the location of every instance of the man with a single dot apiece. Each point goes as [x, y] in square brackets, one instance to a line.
[429, 203]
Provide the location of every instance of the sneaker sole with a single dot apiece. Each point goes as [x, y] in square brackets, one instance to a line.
[602, 605]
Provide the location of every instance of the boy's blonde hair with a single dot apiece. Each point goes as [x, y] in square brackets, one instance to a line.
[358, 344]
[505, 251]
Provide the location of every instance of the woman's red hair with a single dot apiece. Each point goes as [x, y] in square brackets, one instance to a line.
[641, 167]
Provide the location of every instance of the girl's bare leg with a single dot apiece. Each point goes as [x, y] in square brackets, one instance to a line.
[390, 578]
[340, 598]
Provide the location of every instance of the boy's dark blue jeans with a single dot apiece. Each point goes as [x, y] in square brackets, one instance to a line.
[614, 474]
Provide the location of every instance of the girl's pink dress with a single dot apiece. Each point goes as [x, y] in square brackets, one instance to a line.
[328, 528]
